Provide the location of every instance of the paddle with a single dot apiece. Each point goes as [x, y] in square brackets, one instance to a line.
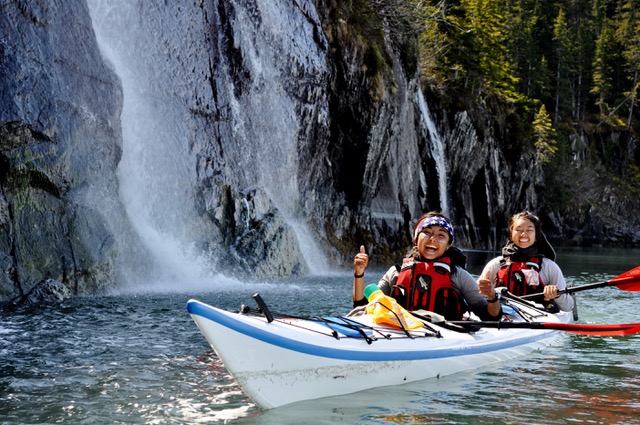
[617, 329]
[627, 281]
[581, 329]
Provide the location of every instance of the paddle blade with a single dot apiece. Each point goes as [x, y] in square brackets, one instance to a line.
[627, 281]
[617, 329]
[629, 286]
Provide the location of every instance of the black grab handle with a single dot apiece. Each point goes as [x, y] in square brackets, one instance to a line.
[263, 307]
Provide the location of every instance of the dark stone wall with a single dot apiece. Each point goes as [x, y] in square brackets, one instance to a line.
[344, 137]
[59, 108]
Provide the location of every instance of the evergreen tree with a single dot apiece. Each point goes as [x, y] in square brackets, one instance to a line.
[603, 68]
[628, 35]
[578, 57]
[544, 133]
[563, 44]
[487, 22]
[581, 24]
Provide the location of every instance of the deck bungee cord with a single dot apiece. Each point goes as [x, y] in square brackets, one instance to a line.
[519, 312]
[338, 324]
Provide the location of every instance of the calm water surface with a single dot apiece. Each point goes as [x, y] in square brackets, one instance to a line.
[139, 358]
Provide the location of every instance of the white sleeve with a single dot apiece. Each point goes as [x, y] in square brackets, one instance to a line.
[491, 269]
[551, 274]
[388, 280]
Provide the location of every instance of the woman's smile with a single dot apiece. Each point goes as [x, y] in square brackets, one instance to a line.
[433, 241]
[523, 233]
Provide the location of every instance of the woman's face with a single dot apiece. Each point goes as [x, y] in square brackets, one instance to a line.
[432, 242]
[523, 233]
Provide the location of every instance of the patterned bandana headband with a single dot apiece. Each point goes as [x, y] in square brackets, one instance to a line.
[432, 221]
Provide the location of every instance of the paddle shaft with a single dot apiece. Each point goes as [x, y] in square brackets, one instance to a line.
[617, 329]
[612, 282]
[619, 281]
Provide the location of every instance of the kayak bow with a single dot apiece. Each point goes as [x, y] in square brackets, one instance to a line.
[290, 359]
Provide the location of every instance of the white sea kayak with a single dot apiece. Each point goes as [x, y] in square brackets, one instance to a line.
[288, 359]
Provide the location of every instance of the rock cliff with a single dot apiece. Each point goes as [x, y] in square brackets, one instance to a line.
[141, 141]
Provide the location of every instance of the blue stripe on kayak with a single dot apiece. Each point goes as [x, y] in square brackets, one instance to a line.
[368, 354]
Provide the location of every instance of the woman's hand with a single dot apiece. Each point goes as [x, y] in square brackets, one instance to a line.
[486, 287]
[550, 292]
[360, 262]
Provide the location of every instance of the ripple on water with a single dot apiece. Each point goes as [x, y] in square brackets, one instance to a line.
[141, 359]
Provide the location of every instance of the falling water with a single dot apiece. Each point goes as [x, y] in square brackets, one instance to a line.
[281, 47]
[157, 172]
[437, 152]
[154, 174]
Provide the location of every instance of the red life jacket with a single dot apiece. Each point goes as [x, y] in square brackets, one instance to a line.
[427, 285]
[511, 276]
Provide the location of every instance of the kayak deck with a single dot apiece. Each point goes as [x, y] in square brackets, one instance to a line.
[290, 359]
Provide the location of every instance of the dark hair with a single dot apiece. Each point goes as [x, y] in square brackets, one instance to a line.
[527, 215]
[541, 240]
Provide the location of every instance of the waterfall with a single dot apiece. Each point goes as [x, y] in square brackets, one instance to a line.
[437, 151]
[155, 174]
[160, 54]
[278, 49]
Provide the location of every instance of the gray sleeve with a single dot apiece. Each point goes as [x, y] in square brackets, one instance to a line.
[388, 280]
[468, 288]
[551, 274]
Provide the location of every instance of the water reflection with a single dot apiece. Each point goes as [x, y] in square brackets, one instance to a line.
[136, 358]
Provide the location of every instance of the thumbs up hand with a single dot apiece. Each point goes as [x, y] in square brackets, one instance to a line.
[360, 261]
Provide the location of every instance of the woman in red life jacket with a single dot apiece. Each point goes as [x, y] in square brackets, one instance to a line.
[527, 264]
[432, 276]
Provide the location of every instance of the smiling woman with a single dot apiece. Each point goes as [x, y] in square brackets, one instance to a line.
[432, 236]
[432, 275]
[527, 265]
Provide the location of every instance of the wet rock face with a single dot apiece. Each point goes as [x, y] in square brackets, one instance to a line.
[61, 139]
[59, 148]
[277, 130]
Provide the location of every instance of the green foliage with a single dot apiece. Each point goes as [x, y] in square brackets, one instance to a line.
[628, 35]
[580, 59]
[470, 49]
[357, 25]
[526, 29]
[633, 181]
[606, 55]
[544, 132]
[560, 53]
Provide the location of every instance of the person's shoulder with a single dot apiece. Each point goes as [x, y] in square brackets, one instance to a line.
[549, 263]
[393, 270]
[494, 263]
[496, 259]
[460, 273]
